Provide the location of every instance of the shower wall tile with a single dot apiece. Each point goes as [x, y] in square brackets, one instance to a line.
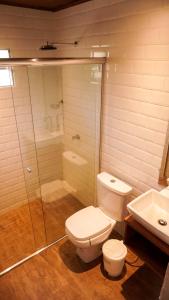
[135, 110]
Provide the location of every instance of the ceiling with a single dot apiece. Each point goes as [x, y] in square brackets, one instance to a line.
[50, 5]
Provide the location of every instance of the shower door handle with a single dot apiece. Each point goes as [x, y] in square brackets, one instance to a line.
[29, 170]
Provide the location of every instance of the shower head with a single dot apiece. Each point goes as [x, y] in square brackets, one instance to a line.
[48, 46]
[51, 45]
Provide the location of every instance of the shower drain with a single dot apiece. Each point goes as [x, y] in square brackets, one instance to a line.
[162, 222]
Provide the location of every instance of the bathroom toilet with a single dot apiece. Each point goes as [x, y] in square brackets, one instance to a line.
[90, 227]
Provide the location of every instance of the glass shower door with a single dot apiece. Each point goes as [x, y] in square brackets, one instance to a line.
[21, 234]
[47, 111]
[66, 116]
[49, 153]
[26, 134]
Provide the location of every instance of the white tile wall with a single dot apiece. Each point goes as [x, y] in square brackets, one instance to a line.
[23, 30]
[136, 99]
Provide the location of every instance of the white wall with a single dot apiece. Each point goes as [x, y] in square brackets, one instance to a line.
[136, 98]
[23, 30]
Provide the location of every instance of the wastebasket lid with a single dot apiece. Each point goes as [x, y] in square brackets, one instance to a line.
[114, 249]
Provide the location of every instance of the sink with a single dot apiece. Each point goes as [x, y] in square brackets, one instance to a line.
[151, 209]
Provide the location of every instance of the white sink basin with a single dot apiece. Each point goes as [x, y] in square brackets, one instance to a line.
[150, 209]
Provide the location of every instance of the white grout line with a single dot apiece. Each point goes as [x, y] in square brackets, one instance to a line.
[30, 256]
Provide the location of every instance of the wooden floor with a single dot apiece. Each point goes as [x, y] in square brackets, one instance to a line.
[56, 213]
[16, 236]
[58, 274]
[23, 230]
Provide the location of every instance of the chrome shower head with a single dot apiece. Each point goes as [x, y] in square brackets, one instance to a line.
[51, 45]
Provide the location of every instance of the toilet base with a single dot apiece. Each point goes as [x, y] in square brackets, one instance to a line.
[90, 253]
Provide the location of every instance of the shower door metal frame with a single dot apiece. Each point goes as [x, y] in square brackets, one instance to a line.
[12, 62]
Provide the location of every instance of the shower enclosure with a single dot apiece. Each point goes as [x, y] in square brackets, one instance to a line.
[49, 150]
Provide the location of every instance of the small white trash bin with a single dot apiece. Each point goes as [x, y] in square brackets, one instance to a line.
[114, 254]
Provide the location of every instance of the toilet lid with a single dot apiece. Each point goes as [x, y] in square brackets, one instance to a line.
[87, 223]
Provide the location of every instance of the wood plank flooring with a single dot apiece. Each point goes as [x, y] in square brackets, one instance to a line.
[56, 213]
[16, 236]
[58, 274]
[21, 234]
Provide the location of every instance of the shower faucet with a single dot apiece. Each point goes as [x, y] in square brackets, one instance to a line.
[76, 137]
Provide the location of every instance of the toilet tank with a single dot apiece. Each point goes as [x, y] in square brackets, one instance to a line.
[112, 195]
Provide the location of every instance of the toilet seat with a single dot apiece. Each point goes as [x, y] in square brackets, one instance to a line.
[88, 224]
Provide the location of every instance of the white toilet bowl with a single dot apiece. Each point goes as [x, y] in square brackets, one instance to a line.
[90, 227]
